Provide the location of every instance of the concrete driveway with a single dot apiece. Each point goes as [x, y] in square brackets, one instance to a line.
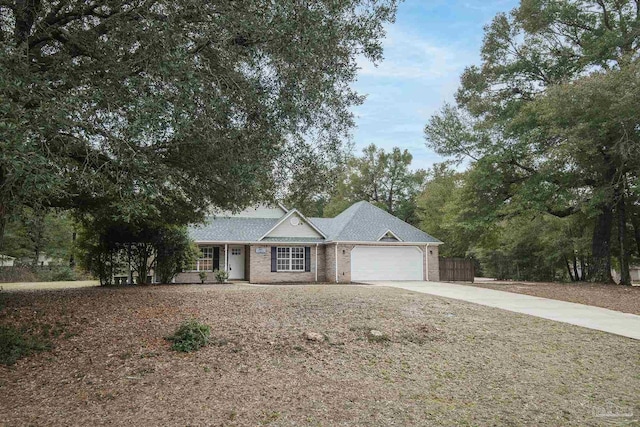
[600, 319]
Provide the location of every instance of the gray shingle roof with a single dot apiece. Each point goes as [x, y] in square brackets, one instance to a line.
[234, 229]
[362, 222]
[294, 239]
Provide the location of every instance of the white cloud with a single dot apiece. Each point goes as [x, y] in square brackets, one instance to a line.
[409, 56]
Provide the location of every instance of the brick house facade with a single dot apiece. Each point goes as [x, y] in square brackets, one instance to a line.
[276, 245]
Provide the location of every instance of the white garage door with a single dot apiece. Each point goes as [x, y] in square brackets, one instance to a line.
[386, 263]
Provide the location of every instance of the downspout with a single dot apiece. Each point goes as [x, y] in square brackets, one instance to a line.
[316, 262]
[336, 262]
[426, 254]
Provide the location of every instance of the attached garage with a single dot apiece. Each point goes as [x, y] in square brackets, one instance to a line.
[386, 263]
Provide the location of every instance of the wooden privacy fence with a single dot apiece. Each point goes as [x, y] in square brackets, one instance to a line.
[456, 269]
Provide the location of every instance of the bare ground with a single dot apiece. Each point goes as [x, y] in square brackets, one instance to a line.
[445, 362]
[613, 297]
[35, 286]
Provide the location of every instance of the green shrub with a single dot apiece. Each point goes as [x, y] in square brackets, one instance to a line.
[190, 336]
[220, 275]
[203, 276]
[64, 274]
[15, 344]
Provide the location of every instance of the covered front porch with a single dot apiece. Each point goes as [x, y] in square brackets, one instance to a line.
[230, 257]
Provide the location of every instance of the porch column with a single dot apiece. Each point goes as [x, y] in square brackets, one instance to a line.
[316, 262]
[426, 254]
[226, 259]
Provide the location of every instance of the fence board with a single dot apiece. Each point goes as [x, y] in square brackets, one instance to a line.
[456, 269]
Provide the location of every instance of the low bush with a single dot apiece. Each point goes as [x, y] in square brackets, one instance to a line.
[15, 343]
[190, 336]
[49, 273]
[17, 274]
[64, 274]
[220, 275]
[203, 276]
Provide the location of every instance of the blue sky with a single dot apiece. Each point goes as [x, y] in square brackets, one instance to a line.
[425, 51]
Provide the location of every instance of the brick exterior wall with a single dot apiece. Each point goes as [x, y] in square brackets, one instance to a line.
[330, 263]
[434, 263]
[194, 277]
[260, 267]
[344, 263]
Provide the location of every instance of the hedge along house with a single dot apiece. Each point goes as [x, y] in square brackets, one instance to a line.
[276, 245]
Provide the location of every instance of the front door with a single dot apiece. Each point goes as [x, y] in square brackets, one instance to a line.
[236, 262]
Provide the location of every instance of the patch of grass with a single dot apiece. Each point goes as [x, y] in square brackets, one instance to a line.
[190, 336]
[377, 338]
[269, 417]
[52, 330]
[16, 343]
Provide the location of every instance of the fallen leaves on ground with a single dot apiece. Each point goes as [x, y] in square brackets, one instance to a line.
[442, 362]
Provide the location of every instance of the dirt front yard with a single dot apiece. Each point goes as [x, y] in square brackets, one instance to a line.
[613, 297]
[438, 361]
[37, 286]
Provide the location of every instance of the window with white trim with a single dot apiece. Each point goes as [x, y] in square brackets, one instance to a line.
[290, 259]
[205, 260]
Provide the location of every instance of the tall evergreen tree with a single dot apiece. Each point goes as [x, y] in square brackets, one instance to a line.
[538, 63]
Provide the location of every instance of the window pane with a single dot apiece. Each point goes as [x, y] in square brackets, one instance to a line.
[206, 252]
[283, 264]
[283, 252]
[297, 264]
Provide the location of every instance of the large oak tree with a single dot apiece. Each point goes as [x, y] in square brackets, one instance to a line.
[162, 108]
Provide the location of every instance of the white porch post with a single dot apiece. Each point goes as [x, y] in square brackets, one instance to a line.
[316, 262]
[426, 254]
[226, 258]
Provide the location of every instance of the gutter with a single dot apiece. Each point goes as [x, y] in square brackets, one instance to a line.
[327, 242]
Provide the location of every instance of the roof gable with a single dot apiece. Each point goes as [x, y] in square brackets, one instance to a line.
[389, 236]
[294, 224]
[364, 222]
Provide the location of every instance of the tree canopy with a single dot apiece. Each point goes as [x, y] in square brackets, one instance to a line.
[548, 119]
[162, 108]
[382, 178]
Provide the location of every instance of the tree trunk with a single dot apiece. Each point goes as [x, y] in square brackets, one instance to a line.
[130, 274]
[600, 269]
[3, 226]
[575, 268]
[634, 222]
[623, 256]
[571, 276]
[72, 260]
